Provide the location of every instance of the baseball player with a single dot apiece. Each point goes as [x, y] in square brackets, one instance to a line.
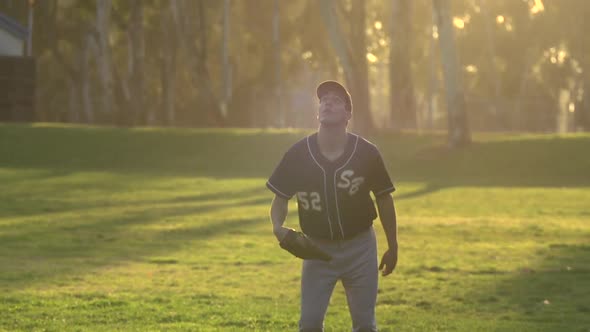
[332, 173]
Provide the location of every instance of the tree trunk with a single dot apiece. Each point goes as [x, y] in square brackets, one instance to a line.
[337, 37]
[582, 114]
[192, 30]
[489, 22]
[85, 83]
[74, 101]
[103, 10]
[432, 90]
[169, 36]
[227, 83]
[141, 114]
[403, 109]
[276, 40]
[363, 121]
[582, 111]
[206, 92]
[354, 64]
[458, 130]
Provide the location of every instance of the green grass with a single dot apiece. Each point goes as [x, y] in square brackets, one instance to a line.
[106, 229]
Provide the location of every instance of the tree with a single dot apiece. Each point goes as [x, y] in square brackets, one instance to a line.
[167, 56]
[140, 114]
[403, 112]
[353, 57]
[458, 129]
[73, 56]
[103, 56]
[363, 120]
[517, 54]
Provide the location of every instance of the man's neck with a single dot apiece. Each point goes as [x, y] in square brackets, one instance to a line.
[332, 139]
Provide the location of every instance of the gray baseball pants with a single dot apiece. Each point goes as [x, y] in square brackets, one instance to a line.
[354, 263]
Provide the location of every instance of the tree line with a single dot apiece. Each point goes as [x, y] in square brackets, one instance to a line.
[459, 65]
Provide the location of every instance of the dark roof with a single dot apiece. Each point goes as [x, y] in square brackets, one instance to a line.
[13, 27]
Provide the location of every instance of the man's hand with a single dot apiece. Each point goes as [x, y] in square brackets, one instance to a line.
[389, 221]
[388, 261]
[280, 232]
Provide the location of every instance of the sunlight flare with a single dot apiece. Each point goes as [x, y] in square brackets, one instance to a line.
[372, 58]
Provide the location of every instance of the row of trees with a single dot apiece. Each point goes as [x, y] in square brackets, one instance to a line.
[508, 64]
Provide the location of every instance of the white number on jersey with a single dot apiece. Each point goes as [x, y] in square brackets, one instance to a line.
[307, 200]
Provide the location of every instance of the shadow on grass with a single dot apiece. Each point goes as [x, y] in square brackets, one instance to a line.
[158, 152]
[37, 205]
[37, 254]
[553, 295]
[429, 189]
[525, 162]
[548, 161]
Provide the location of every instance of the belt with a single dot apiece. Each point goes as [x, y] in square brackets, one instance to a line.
[346, 239]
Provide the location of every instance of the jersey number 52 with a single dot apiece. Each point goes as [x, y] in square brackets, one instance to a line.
[309, 200]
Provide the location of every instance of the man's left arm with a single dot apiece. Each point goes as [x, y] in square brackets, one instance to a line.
[389, 222]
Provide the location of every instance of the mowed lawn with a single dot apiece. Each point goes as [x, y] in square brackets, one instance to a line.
[106, 229]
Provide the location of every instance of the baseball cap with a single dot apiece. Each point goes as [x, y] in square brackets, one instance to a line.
[333, 86]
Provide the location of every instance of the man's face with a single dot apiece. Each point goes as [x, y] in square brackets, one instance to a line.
[332, 111]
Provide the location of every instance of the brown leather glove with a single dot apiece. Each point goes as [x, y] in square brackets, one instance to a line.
[299, 245]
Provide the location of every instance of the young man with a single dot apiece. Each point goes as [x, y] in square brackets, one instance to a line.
[332, 172]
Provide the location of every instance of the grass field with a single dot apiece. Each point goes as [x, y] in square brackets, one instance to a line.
[107, 229]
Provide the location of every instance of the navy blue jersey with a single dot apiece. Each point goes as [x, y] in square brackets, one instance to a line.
[333, 197]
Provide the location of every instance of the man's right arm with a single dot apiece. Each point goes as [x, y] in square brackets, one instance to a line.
[278, 214]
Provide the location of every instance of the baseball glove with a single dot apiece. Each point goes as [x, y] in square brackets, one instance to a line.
[299, 245]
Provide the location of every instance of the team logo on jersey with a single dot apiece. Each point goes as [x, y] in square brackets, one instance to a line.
[348, 182]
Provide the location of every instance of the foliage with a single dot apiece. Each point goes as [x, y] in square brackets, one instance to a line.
[517, 58]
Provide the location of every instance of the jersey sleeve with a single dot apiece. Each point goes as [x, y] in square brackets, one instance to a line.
[379, 181]
[282, 180]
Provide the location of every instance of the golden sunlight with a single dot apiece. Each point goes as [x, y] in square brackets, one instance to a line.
[500, 19]
[372, 58]
[458, 23]
[537, 6]
[378, 25]
[471, 69]
[561, 55]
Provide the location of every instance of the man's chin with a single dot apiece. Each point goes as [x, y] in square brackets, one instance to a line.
[331, 124]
